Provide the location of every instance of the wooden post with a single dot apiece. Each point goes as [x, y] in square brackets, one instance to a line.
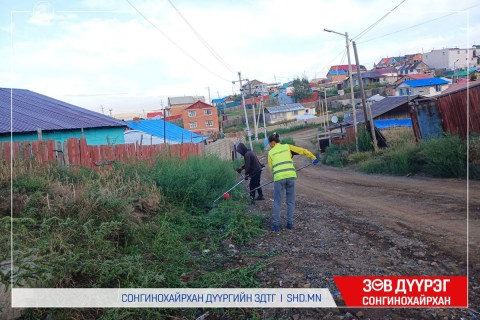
[108, 139]
[65, 153]
[368, 122]
[39, 133]
[60, 157]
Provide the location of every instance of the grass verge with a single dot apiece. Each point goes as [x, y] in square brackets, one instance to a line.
[133, 226]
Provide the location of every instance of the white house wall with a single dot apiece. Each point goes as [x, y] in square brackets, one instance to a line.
[445, 58]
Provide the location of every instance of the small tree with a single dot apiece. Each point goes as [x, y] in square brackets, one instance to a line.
[301, 89]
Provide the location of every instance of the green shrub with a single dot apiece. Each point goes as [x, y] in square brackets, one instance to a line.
[364, 140]
[399, 161]
[258, 147]
[357, 157]
[335, 156]
[30, 183]
[194, 183]
[288, 140]
[444, 157]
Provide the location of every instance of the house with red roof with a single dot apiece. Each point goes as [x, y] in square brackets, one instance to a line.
[201, 117]
[388, 62]
[344, 67]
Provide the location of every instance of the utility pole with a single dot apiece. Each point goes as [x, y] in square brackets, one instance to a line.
[350, 74]
[245, 110]
[164, 126]
[262, 106]
[368, 122]
[209, 98]
[102, 107]
[326, 109]
[254, 114]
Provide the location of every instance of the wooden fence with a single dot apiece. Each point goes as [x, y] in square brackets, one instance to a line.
[76, 152]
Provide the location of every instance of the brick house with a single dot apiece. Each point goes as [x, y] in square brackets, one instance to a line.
[176, 105]
[201, 118]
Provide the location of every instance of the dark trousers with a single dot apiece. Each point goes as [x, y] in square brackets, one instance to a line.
[254, 183]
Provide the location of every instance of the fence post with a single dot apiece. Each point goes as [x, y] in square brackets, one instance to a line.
[39, 133]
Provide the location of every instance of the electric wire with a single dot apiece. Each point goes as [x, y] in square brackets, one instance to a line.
[361, 34]
[419, 24]
[203, 41]
[175, 44]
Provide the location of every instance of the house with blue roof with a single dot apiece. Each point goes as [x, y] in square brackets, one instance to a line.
[26, 116]
[150, 132]
[424, 87]
[336, 75]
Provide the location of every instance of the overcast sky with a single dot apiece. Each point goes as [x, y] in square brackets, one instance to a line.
[103, 52]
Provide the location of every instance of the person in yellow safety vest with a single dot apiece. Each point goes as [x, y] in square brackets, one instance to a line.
[284, 175]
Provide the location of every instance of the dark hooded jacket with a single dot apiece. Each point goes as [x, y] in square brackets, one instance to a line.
[252, 165]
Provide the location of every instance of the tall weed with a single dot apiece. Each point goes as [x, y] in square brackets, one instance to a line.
[444, 157]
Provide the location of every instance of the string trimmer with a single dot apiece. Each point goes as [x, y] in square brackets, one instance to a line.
[225, 194]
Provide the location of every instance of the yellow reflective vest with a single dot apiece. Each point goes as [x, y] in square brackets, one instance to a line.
[282, 163]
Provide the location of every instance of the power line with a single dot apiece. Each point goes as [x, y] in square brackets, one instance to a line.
[361, 34]
[330, 62]
[419, 24]
[175, 44]
[203, 41]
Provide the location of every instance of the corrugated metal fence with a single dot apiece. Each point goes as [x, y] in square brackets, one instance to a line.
[75, 152]
[448, 112]
[453, 109]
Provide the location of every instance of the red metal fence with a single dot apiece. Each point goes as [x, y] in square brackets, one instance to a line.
[456, 112]
[75, 152]
[453, 110]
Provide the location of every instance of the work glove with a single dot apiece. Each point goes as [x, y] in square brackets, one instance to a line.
[239, 170]
[315, 161]
[246, 177]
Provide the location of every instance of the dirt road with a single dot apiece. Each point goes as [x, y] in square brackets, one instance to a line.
[350, 223]
[436, 208]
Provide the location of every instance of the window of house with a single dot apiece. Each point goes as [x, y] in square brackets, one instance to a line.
[192, 114]
[193, 125]
[274, 116]
[438, 88]
[295, 112]
[458, 51]
[443, 52]
[208, 112]
[209, 123]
